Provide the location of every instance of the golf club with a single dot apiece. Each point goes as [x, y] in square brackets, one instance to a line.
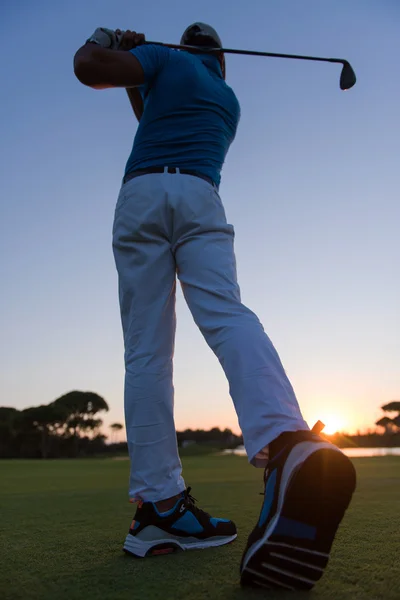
[347, 76]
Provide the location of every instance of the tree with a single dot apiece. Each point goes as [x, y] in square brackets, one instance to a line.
[9, 420]
[46, 419]
[115, 429]
[80, 408]
[81, 425]
[61, 428]
[386, 423]
[391, 425]
[396, 421]
[393, 406]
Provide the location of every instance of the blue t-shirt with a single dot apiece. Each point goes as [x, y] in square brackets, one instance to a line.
[190, 114]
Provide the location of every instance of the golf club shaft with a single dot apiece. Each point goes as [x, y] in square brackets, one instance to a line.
[252, 53]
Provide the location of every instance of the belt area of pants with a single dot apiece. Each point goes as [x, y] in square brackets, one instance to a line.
[140, 172]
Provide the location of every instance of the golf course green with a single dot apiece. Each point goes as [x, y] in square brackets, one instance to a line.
[63, 523]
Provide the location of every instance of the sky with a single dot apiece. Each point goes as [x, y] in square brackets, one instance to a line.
[311, 185]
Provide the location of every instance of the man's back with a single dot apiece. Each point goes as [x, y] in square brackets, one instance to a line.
[190, 114]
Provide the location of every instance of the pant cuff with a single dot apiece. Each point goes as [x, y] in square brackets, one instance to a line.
[256, 446]
[157, 494]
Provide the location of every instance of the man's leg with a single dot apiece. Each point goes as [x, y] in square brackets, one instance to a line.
[308, 481]
[146, 270]
[263, 396]
[166, 518]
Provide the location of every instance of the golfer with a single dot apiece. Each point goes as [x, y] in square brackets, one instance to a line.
[170, 223]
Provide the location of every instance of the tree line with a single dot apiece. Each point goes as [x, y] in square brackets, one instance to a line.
[70, 426]
[67, 427]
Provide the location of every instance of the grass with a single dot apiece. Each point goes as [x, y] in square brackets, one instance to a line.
[63, 523]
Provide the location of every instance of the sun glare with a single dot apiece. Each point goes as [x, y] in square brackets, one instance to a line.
[333, 424]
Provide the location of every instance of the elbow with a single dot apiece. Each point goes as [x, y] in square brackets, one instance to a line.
[82, 70]
[87, 73]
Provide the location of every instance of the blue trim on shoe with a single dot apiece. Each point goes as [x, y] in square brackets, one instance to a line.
[269, 496]
[188, 523]
[214, 521]
[167, 513]
[295, 529]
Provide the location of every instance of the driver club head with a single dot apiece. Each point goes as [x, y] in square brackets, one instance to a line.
[347, 76]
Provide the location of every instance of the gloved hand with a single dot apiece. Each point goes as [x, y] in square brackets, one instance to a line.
[106, 38]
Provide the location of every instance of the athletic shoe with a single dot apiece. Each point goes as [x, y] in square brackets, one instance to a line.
[184, 527]
[309, 483]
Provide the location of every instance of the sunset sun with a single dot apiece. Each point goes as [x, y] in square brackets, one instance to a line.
[333, 424]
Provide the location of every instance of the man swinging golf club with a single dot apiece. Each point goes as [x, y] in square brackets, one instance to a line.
[170, 222]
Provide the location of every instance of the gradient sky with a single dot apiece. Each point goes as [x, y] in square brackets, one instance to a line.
[311, 185]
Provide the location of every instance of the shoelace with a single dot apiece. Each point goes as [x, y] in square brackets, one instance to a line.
[188, 496]
[191, 501]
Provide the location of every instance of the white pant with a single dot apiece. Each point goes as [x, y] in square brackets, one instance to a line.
[173, 224]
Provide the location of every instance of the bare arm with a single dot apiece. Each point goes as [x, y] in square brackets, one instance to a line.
[86, 74]
[130, 40]
[101, 68]
[136, 101]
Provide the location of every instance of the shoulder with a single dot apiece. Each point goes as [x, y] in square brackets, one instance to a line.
[151, 52]
[152, 57]
[160, 55]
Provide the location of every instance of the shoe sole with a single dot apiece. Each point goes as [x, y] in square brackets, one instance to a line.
[316, 488]
[140, 548]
